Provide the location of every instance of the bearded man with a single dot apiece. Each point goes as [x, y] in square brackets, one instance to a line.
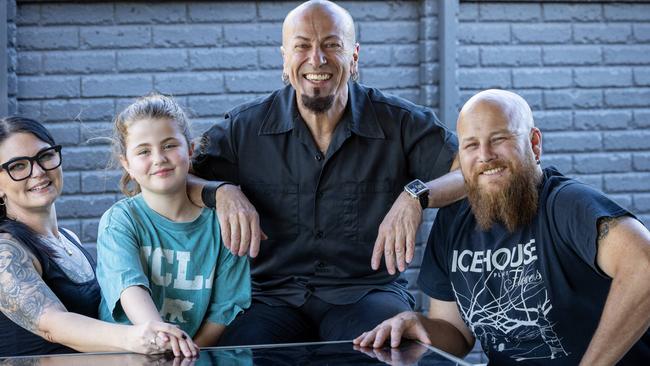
[324, 162]
[541, 268]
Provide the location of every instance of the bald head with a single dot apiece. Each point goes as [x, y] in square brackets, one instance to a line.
[500, 104]
[310, 11]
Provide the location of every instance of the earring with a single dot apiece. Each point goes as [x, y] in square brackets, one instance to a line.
[285, 78]
[354, 75]
[538, 161]
[2, 201]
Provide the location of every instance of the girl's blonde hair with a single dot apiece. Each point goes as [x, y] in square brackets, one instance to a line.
[153, 106]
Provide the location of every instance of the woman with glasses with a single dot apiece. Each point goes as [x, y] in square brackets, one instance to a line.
[49, 295]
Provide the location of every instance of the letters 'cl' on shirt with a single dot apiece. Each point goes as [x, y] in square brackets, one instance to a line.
[534, 296]
[322, 212]
[190, 275]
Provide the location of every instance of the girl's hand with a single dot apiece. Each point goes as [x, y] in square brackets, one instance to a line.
[183, 346]
[157, 337]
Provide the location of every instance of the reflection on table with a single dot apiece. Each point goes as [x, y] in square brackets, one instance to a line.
[318, 353]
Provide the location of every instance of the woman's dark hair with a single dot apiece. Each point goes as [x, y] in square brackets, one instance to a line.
[18, 230]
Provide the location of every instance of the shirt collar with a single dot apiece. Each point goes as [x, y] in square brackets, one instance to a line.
[283, 112]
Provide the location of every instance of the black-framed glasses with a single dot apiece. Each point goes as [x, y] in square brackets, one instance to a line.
[20, 168]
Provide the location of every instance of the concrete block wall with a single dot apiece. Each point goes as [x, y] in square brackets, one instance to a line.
[585, 70]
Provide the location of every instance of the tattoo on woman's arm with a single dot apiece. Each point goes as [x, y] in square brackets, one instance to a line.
[24, 297]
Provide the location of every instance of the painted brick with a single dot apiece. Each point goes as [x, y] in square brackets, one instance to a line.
[187, 35]
[541, 33]
[116, 85]
[363, 10]
[190, 83]
[572, 55]
[12, 84]
[31, 109]
[143, 13]
[47, 38]
[541, 78]
[222, 11]
[225, 58]
[642, 76]
[626, 11]
[429, 51]
[377, 55]
[595, 181]
[406, 55]
[641, 118]
[570, 98]
[277, 11]
[84, 206]
[271, 58]
[210, 106]
[48, 87]
[115, 37]
[553, 120]
[467, 56]
[484, 78]
[78, 62]
[71, 181]
[428, 28]
[240, 35]
[103, 181]
[429, 96]
[388, 32]
[642, 202]
[602, 163]
[603, 77]
[410, 94]
[199, 126]
[94, 13]
[510, 12]
[532, 97]
[641, 161]
[627, 182]
[86, 158]
[624, 200]
[627, 140]
[467, 12]
[151, 60]
[642, 32]
[72, 225]
[252, 82]
[429, 73]
[65, 133]
[511, 56]
[469, 33]
[12, 106]
[572, 12]
[602, 119]
[629, 54]
[564, 163]
[29, 63]
[601, 33]
[555, 142]
[82, 110]
[88, 234]
[97, 134]
[629, 97]
[387, 77]
[403, 10]
[28, 14]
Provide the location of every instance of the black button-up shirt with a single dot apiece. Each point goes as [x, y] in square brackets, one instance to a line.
[322, 212]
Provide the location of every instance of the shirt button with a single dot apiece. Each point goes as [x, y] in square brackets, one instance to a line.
[319, 234]
[318, 157]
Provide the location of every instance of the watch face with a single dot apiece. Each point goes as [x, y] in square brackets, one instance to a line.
[416, 187]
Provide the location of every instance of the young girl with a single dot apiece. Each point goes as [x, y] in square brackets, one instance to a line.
[160, 257]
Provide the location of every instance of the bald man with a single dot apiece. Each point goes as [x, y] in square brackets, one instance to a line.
[322, 165]
[541, 268]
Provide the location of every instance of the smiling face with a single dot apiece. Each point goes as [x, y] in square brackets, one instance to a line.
[157, 155]
[319, 54]
[40, 190]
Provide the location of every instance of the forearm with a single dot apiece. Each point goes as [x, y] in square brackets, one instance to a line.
[626, 316]
[209, 333]
[194, 187]
[447, 189]
[82, 333]
[138, 305]
[447, 337]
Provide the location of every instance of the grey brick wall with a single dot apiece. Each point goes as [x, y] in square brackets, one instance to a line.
[584, 68]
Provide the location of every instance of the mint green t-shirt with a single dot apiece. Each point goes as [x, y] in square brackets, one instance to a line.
[190, 275]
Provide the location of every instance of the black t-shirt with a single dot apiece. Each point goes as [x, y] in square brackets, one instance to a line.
[535, 295]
